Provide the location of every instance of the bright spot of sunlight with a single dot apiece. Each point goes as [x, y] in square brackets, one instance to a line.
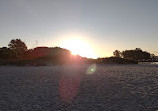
[78, 47]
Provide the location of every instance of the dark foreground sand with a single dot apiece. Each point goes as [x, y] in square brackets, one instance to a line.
[73, 88]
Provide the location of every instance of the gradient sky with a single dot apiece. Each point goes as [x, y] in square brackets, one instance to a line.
[106, 24]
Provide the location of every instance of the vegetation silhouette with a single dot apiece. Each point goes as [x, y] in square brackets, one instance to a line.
[136, 54]
[117, 53]
[18, 47]
[17, 54]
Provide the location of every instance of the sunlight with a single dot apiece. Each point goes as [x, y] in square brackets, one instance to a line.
[78, 47]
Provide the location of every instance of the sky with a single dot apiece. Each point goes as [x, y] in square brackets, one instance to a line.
[105, 25]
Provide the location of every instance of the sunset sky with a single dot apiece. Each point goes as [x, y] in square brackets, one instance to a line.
[101, 25]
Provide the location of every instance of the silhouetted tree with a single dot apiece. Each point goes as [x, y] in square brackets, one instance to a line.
[18, 47]
[136, 54]
[117, 53]
[6, 53]
[138, 49]
[153, 57]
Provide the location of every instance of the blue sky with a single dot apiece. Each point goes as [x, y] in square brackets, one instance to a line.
[106, 24]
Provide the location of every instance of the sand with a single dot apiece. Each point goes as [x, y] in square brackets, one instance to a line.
[79, 88]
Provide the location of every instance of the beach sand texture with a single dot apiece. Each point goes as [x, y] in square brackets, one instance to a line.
[79, 88]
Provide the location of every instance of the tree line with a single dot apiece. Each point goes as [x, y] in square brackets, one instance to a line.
[18, 53]
[136, 54]
[16, 48]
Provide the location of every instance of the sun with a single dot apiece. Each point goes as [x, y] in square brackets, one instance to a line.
[78, 47]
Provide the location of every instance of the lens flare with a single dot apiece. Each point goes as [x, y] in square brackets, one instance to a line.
[68, 87]
[92, 68]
